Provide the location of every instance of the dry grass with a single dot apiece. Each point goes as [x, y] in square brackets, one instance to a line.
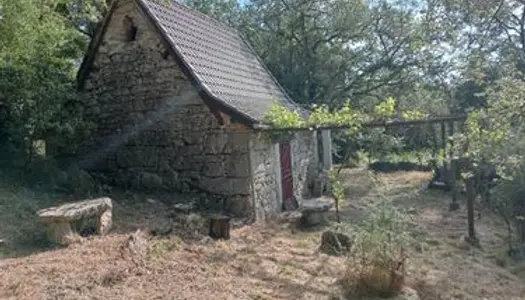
[377, 281]
[259, 262]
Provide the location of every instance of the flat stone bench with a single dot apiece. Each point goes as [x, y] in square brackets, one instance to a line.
[314, 211]
[58, 219]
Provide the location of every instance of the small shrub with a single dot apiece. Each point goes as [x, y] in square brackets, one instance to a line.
[376, 263]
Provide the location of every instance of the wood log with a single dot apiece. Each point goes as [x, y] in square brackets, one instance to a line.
[219, 227]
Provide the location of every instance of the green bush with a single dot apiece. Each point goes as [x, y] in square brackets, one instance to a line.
[376, 263]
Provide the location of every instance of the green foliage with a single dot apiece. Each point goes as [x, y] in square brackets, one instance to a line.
[386, 109]
[412, 114]
[282, 117]
[337, 189]
[37, 55]
[377, 259]
[494, 136]
[336, 186]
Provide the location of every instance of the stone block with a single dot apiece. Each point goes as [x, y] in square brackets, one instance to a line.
[239, 206]
[137, 157]
[238, 143]
[151, 181]
[104, 222]
[238, 165]
[214, 169]
[225, 186]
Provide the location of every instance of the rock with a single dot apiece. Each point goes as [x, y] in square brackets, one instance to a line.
[335, 243]
[104, 222]
[407, 294]
[137, 243]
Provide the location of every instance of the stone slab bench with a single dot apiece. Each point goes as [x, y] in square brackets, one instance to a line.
[314, 210]
[59, 219]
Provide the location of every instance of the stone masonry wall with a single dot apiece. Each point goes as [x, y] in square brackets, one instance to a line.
[152, 128]
[305, 162]
[265, 165]
[266, 170]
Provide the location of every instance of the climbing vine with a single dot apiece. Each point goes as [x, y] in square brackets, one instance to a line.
[320, 116]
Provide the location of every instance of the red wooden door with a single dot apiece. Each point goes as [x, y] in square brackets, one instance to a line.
[286, 172]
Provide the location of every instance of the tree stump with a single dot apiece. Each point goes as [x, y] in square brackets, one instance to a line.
[220, 227]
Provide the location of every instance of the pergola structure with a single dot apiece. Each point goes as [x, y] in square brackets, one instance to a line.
[448, 125]
[447, 129]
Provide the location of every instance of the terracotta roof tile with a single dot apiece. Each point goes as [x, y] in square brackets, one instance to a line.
[223, 63]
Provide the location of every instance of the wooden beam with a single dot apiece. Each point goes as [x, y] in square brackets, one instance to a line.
[373, 124]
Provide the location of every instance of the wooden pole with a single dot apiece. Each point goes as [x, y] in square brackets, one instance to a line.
[444, 147]
[454, 205]
[435, 145]
[471, 196]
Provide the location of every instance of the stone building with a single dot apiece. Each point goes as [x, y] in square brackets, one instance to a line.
[176, 99]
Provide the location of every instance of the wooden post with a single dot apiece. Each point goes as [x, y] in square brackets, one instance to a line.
[219, 227]
[471, 196]
[454, 205]
[435, 145]
[444, 145]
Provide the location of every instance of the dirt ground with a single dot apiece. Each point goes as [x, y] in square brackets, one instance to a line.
[273, 261]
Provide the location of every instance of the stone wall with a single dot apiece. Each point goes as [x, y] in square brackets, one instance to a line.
[152, 128]
[265, 167]
[305, 162]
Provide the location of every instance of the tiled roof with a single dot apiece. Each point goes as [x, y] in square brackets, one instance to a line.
[220, 60]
